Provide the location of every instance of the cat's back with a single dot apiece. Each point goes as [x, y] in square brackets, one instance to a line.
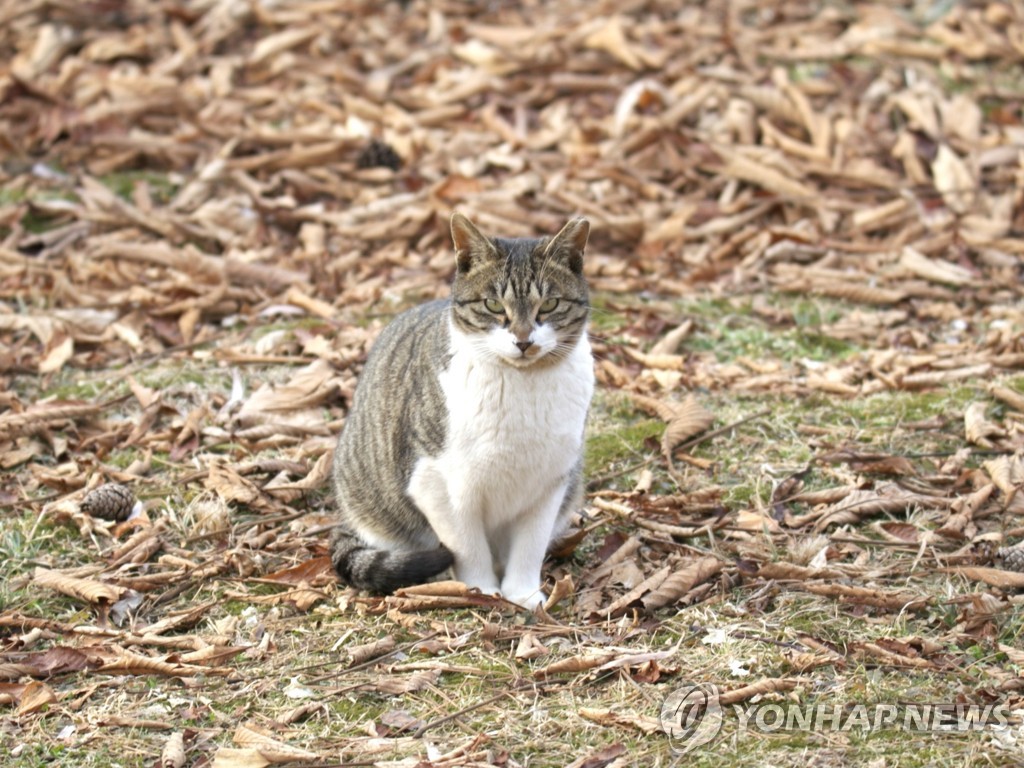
[415, 341]
[399, 410]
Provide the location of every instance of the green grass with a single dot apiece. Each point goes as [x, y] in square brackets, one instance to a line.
[763, 623]
[162, 186]
[739, 336]
[618, 434]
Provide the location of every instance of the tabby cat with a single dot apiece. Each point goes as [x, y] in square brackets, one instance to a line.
[463, 446]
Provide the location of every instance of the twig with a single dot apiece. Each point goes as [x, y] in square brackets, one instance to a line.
[448, 718]
[244, 525]
[601, 480]
[695, 441]
[369, 662]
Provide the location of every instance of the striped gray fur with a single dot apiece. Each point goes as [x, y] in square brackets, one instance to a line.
[400, 414]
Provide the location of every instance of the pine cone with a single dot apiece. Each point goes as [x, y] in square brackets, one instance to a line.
[1012, 557]
[112, 501]
[379, 154]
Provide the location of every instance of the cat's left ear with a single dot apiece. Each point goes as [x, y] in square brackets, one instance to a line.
[570, 243]
[468, 242]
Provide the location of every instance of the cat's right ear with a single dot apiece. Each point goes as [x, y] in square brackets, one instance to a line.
[570, 242]
[469, 242]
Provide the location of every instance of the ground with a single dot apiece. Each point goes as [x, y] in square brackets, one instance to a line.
[804, 459]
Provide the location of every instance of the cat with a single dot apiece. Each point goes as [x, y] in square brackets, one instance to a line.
[463, 447]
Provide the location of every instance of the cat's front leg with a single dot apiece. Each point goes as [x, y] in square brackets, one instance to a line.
[529, 538]
[454, 515]
[462, 531]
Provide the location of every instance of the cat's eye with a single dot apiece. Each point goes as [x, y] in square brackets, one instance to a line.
[548, 305]
[495, 306]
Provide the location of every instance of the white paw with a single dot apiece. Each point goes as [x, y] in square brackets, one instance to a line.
[529, 600]
[484, 587]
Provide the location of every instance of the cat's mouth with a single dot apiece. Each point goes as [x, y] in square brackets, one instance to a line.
[525, 359]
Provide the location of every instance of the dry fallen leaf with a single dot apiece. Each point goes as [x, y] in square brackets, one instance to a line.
[979, 429]
[236, 197]
[529, 647]
[893, 601]
[271, 750]
[89, 590]
[1007, 473]
[904, 533]
[934, 269]
[359, 654]
[681, 581]
[398, 685]
[564, 588]
[232, 757]
[739, 166]
[57, 356]
[574, 664]
[643, 723]
[611, 38]
[994, 577]
[669, 343]
[173, 754]
[953, 179]
[311, 572]
[760, 688]
[1011, 397]
[788, 571]
[35, 697]
[50, 663]
[684, 420]
[317, 477]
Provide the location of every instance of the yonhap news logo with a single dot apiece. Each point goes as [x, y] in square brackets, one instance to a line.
[693, 715]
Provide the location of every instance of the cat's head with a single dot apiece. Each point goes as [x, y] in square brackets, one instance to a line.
[520, 300]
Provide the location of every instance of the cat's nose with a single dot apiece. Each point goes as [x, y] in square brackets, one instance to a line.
[524, 345]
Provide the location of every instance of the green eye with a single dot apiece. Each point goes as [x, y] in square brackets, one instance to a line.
[495, 306]
[548, 305]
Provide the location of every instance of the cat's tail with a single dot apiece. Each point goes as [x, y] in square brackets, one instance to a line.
[383, 570]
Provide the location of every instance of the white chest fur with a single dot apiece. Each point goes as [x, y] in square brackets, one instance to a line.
[513, 433]
[495, 493]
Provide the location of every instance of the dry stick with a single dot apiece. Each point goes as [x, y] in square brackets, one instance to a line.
[173, 592]
[694, 441]
[368, 663]
[268, 466]
[17, 504]
[434, 723]
[875, 543]
[448, 718]
[188, 583]
[155, 357]
[687, 444]
[599, 481]
[941, 454]
[245, 525]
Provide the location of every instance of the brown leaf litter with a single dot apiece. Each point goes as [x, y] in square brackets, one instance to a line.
[209, 210]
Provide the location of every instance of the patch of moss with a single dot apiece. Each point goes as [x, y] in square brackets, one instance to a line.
[1015, 383]
[604, 318]
[121, 458]
[37, 222]
[122, 183]
[186, 378]
[891, 409]
[71, 386]
[751, 338]
[616, 440]
[12, 195]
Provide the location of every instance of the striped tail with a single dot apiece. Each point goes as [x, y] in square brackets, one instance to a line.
[382, 570]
